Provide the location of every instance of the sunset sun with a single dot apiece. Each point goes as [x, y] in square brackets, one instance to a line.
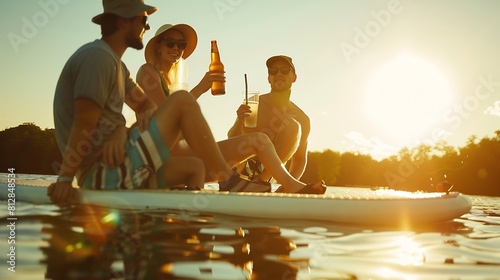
[405, 98]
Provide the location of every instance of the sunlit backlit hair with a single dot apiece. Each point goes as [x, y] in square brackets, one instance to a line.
[177, 71]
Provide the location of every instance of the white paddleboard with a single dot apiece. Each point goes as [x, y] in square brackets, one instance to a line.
[339, 204]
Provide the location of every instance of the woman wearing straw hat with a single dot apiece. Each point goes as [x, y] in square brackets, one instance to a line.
[163, 70]
[165, 54]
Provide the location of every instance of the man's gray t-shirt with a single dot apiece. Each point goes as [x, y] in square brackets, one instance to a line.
[94, 72]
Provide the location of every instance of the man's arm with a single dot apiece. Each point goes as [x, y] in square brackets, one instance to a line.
[87, 114]
[298, 161]
[237, 128]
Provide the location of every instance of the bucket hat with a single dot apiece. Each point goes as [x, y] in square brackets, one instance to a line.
[123, 8]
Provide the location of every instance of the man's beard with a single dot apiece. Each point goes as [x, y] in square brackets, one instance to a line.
[134, 42]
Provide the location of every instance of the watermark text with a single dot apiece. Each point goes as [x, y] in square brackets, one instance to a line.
[11, 219]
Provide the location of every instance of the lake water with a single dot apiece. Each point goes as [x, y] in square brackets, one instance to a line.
[99, 243]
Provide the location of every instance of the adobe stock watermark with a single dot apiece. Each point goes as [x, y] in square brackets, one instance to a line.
[363, 37]
[483, 91]
[11, 219]
[32, 25]
[222, 7]
[455, 117]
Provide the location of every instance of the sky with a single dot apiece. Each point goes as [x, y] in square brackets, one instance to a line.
[374, 76]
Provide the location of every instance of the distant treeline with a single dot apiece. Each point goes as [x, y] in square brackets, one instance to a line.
[473, 169]
[28, 149]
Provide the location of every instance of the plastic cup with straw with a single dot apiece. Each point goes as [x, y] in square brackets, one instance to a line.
[251, 100]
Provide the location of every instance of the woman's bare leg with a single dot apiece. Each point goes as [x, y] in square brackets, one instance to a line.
[181, 113]
[238, 149]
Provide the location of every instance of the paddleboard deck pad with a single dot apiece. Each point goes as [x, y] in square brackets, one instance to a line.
[379, 206]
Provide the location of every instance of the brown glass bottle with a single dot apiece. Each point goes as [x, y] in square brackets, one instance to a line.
[218, 88]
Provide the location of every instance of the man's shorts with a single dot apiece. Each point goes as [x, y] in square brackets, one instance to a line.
[145, 151]
[253, 168]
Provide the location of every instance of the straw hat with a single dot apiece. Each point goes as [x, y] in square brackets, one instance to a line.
[186, 30]
[124, 8]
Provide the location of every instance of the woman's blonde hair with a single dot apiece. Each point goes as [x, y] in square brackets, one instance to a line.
[178, 71]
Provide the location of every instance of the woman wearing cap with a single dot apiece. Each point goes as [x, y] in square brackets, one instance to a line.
[165, 54]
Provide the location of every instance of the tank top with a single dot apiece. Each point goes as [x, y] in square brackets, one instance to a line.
[164, 84]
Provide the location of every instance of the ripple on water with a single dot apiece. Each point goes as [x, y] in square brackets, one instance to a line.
[193, 245]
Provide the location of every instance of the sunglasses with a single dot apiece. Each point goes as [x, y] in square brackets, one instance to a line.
[171, 42]
[144, 20]
[274, 70]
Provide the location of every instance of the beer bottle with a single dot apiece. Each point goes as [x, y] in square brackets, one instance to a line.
[218, 88]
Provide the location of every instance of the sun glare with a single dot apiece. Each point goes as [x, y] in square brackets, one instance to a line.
[405, 98]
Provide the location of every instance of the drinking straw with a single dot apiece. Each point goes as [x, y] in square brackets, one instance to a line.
[246, 90]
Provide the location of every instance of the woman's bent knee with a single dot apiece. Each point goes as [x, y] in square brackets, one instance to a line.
[182, 97]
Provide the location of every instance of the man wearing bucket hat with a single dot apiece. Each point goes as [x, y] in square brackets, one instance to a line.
[284, 122]
[90, 129]
[164, 55]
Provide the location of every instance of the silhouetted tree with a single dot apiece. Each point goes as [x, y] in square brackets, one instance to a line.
[472, 169]
[28, 149]
[322, 166]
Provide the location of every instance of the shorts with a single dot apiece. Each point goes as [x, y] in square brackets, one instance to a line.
[253, 168]
[145, 151]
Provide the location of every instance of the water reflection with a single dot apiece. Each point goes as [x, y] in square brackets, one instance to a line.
[98, 243]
